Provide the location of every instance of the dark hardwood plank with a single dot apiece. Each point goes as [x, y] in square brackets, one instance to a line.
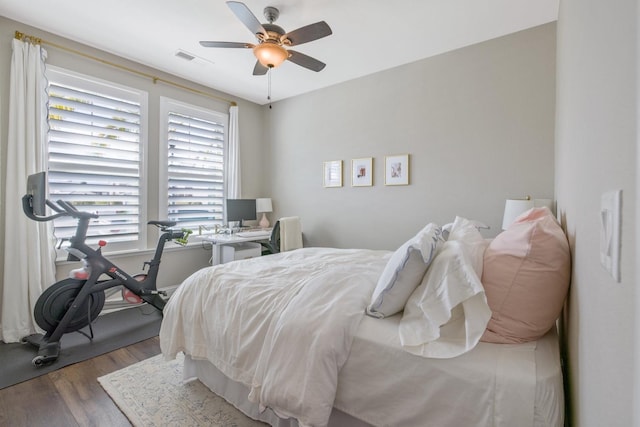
[145, 349]
[72, 396]
[84, 396]
[34, 403]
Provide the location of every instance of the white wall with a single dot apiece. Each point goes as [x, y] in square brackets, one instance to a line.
[177, 264]
[596, 137]
[478, 124]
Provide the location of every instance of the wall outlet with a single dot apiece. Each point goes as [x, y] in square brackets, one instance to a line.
[610, 227]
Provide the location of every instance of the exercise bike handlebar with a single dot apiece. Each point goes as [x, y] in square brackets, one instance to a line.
[27, 207]
[72, 211]
[64, 208]
[61, 208]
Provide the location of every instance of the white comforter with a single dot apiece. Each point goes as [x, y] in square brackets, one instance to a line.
[285, 335]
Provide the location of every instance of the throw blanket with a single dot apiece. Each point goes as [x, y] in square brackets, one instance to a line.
[282, 324]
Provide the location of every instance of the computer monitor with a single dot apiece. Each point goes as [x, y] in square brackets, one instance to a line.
[37, 189]
[241, 210]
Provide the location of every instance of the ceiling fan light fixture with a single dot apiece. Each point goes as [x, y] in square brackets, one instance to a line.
[270, 54]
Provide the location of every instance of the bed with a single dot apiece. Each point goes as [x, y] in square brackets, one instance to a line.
[287, 340]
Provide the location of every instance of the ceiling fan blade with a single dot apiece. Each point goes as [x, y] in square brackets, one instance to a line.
[259, 69]
[309, 33]
[246, 17]
[226, 44]
[305, 61]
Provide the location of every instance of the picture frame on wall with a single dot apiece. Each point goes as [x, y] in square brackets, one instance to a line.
[332, 173]
[362, 172]
[396, 169]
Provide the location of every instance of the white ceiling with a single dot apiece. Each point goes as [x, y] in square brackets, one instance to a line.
[368, 35]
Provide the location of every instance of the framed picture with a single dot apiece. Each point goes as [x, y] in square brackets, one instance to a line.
[362, 172]
[396, 170]
[333, 173]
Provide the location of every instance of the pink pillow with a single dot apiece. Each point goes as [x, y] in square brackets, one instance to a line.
[526, 274]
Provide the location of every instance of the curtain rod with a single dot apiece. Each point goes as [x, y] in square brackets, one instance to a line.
[154, 79]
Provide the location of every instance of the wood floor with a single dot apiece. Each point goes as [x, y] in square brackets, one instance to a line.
[72, 396]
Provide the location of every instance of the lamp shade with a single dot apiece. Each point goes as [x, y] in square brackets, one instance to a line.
[264, 205]
[270, 54]
[513, 208]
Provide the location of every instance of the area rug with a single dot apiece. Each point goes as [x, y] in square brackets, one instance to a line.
[111, 332]
[151, 393]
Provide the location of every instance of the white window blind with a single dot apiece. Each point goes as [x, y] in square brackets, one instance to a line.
[195, 175]
[95, 156]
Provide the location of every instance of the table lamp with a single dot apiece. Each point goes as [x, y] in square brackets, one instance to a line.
[264, 206]
[513, 208]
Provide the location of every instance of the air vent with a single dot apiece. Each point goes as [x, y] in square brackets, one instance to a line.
[194, 59]
[185, 55]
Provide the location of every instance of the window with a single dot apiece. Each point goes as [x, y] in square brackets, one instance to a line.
[95, 144]
[195, 148]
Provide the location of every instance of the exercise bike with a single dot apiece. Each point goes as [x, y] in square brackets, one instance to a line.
[73, 303]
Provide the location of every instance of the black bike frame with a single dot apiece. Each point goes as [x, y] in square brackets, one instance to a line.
[49, 344]
[99, 265]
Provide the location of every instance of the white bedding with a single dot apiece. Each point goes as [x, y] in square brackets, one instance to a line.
[280, 326]
[497, 385]
[290, 328]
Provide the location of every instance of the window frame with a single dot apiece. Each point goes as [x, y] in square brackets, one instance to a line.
[170, 105]
[110, 88]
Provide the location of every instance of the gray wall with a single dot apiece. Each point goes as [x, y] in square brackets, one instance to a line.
[596, 151]
[178, 263]
[478, 124]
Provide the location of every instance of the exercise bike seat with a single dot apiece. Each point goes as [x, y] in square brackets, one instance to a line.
[162, 223]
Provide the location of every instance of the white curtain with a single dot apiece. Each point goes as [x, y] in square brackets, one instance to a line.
[29, 254]
[233, 165]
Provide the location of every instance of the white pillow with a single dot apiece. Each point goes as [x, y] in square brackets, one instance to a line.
[448, 312]
[467, 231]
[446, 229]
[404, 271]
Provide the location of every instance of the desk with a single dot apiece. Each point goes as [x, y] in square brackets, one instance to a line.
[219, 240]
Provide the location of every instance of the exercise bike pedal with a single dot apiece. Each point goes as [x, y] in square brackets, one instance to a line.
[130, 297]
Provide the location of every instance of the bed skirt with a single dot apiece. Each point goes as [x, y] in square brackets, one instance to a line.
[531, 371]
[236, 394]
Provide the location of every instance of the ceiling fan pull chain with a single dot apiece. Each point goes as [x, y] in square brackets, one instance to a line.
[269, 90]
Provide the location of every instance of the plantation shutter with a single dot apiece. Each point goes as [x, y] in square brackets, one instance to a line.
[94, 159]
[195, 169]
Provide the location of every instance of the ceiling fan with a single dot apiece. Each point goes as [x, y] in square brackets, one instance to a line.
[272, 39]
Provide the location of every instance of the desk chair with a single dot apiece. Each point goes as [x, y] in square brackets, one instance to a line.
[272, 246]
[285, 236]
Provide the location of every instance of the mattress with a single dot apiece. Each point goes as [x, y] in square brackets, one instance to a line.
[381, 384]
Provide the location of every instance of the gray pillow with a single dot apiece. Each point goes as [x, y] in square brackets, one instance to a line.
[404, 271]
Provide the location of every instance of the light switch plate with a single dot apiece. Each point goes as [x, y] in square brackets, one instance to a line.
[610, 226]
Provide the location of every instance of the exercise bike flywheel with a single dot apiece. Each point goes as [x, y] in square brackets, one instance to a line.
[56, 299]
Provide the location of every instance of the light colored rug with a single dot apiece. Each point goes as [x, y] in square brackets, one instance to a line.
[151, 393]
